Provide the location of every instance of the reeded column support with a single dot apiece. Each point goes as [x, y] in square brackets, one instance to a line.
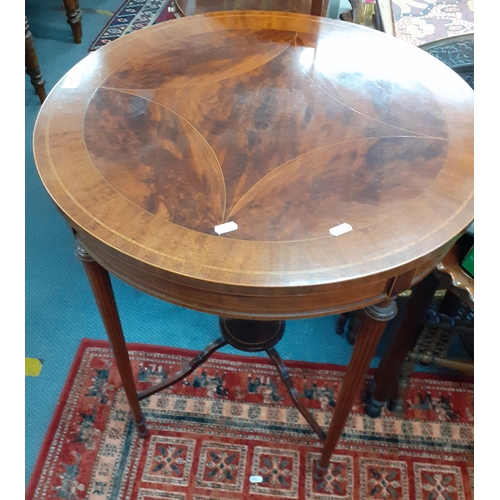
[74, 15]
[372, 328]
[394, 357]
[103, 294]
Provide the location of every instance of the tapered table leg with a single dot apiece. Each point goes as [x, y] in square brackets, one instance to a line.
[372, 327]
[394, 356]
[74, 15]
[103, 293]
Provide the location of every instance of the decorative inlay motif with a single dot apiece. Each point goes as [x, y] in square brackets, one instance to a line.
[337, 483]
[221, 466]
[200, 140]
[169, 460]
[383, 479]
[279, 470]
[438, 482]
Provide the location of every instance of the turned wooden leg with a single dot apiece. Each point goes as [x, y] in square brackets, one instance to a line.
[372, 328]
[397, 404]
[74, 15]
[31, 63]
[105, 299]
[392, 361]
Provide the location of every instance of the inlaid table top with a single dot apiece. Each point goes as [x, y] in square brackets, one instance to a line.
[286, 124]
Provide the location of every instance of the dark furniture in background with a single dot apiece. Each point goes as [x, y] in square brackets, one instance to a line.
[74, 19]
[32, 65]
[74, 15]
[457, 52]
[425, 336]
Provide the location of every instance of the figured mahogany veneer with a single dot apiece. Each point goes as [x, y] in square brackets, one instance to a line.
[286, 124]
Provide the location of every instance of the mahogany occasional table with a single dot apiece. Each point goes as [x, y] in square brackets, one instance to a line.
[338, 159]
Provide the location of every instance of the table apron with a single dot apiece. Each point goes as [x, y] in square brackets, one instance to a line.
[259, 303]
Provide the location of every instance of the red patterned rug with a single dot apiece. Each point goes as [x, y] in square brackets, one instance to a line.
[416, 21]
[232, 419]
[132, 16]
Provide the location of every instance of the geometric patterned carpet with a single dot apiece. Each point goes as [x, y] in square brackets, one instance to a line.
[416, 21]
[231, 431]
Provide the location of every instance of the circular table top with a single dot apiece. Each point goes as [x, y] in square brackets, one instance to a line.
[287, 125]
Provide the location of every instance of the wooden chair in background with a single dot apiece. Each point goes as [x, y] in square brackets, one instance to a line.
[74, 19]
[31, 63]
[74, 15]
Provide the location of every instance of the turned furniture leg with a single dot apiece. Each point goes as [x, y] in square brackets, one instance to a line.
[31, 63]
[104, 297]
[394, 357]
[74, 15]
[397, 403]
[372, 328]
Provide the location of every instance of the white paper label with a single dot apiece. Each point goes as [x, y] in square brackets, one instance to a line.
[340, 229]
[226, 228]
[72, 81]
[256, 479]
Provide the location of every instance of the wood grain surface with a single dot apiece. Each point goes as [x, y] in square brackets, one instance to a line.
[286, 124]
